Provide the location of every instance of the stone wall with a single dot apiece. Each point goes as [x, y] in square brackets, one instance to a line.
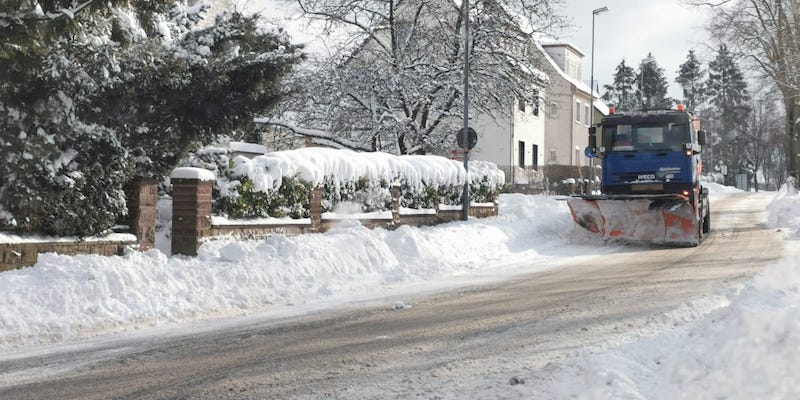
[191, 217]
[18, 255]
[141, 197]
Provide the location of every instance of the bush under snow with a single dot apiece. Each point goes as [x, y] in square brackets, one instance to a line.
[278, 183]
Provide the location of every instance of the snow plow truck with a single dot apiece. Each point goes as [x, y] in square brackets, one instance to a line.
[650, 190]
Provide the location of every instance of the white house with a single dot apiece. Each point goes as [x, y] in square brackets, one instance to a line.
[568, 105]
[515, 142]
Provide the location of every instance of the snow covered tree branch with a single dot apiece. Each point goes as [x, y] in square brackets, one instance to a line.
[767, 33]
[397, 83]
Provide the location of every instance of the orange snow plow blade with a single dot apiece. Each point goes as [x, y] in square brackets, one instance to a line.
[656, 219]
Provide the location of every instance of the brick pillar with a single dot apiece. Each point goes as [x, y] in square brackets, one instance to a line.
[395, 191]
[315, 209]
[142, 195]
[191, 210]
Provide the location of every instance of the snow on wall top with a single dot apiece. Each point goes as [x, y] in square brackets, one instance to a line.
[192, 173]
[314, 164]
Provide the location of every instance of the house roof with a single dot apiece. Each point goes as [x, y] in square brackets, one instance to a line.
[559, 43]
[598, 104]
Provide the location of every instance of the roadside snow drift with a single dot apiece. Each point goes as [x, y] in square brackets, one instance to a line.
[68, 296]
[742, 343]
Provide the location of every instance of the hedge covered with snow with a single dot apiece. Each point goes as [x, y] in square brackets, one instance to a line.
[278, 184]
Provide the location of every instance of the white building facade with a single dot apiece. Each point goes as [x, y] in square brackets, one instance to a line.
[569, 105]
[515, 142]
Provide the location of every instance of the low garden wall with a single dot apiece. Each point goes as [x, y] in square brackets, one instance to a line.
[24, 254]
[19, 249]
[193, 223]
[192, 220]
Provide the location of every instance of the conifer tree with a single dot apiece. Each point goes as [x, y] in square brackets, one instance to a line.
[690, 77]
[729, 100]
[727, 93]
[622, 93]
[91, 89]
[765, 33]
[652, 85]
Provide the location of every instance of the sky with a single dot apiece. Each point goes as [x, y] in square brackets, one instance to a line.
[631, 29]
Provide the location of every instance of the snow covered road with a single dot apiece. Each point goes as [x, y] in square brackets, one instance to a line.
[501, 339]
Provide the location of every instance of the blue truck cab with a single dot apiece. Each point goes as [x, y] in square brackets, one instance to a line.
[650, 190]
[651, 152]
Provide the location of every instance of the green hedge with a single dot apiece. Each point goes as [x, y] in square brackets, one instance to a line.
[236, 198]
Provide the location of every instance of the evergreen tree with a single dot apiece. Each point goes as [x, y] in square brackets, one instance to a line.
[652, 85]
[91, 89]
[622, 92]
[690, 77]
[729, 100]
[727, 93]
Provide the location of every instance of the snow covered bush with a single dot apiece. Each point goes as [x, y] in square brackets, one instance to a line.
[85, 196]
[486, 181]
[278, 184]
[62, 178]
[238, 196]
[369, 195]
[93, 92]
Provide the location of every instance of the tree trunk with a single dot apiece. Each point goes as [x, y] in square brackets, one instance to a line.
[401, 144]
[792, 133]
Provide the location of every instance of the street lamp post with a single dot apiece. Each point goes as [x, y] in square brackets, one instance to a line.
[595, 12]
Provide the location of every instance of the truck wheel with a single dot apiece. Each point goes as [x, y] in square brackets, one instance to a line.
[707, 221]
[699, 233]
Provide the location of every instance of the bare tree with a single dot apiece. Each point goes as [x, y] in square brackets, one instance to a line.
[767, 33]
[397, 81]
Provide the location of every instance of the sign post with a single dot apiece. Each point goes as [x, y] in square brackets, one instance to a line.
[466, 138]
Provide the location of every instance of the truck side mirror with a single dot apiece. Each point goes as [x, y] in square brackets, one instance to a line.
[702, 137]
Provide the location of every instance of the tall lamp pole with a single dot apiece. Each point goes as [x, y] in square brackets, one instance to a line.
[595, 12]
[465, 201]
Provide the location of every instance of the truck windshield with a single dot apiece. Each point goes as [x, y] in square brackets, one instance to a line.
[646, 137]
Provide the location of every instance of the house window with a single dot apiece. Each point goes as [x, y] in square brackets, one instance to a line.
[553, 158]
[586, 114]
[535, 150]
[578, 111]
[521, 150]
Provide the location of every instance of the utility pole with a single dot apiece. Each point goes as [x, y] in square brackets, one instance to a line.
[465, 200]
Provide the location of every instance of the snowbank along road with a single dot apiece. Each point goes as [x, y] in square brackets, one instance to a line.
[449, 345]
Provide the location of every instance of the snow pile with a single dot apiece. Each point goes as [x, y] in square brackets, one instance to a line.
[783, 210]
[71, 296]
[746, 349]
[315, 164]
[717, 189]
